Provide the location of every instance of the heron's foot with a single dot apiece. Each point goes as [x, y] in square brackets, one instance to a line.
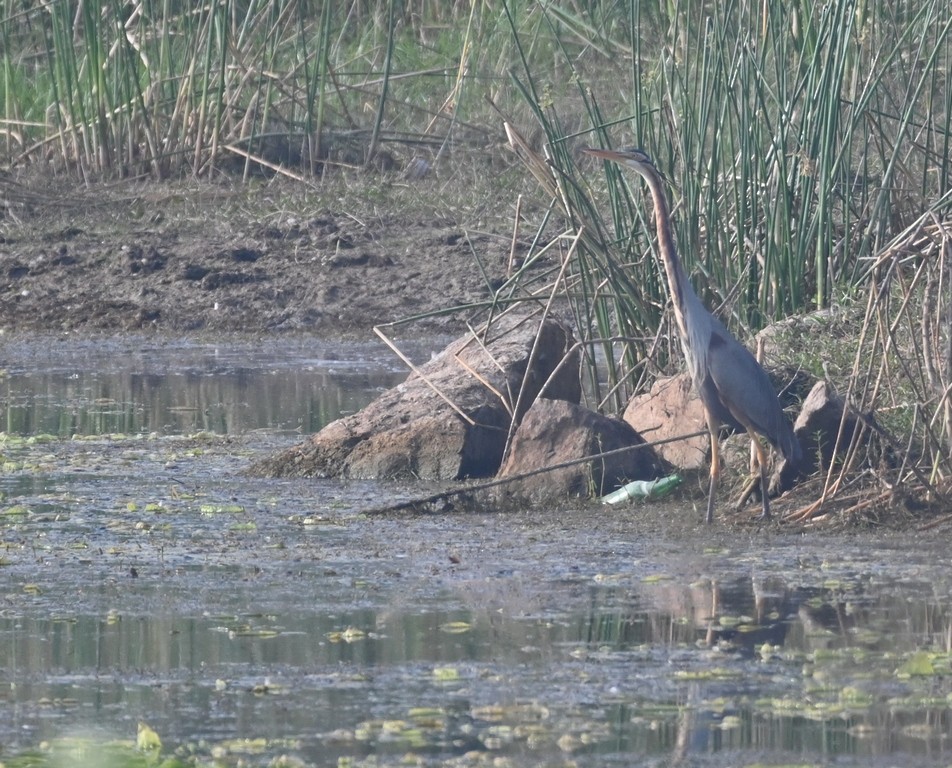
[754, 485]
[749, 488]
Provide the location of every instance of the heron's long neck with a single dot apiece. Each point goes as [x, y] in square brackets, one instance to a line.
[682, 294]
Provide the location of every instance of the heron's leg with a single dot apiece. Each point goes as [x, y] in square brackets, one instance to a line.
[762, 461]
[715, 471]
[754, 481]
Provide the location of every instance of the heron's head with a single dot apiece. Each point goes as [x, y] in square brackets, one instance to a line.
[630, 157]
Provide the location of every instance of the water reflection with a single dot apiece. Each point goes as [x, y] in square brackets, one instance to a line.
[110, 387]
[711, 669]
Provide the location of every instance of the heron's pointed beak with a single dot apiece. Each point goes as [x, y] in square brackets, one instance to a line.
[625, 158]
[605, 154]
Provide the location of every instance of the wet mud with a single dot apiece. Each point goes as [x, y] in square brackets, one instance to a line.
[257, 258]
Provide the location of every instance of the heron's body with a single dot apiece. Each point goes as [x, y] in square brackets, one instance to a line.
[734, 390]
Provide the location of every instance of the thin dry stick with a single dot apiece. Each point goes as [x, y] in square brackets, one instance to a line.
[866, 502]
[935, 523]
[829, 485]
[890, 342]
[261, 161]
[863, 502]
[445, 495]
[804, 513]
[569, 353]
[643, 364]
[515, 237]
[505, 399]
[928, 329]
[423, 376]
[511, 305]
[461, 73]
[535, 341]
[485, 382]
[474, 337]
[873, 425]
[534, 162]
[944, 411]
[939, 355]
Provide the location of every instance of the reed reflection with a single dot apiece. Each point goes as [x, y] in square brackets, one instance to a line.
[209, 396]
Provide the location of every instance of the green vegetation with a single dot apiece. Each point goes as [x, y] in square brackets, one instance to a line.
[160, 87]
[808, 150]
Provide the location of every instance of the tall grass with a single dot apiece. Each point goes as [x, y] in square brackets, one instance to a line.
[160, 87]
[801, 142]
[798, 142]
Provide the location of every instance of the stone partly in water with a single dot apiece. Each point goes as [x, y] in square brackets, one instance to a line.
[451, 418]
[555, 432]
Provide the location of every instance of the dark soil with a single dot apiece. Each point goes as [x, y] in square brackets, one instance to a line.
[330, 259]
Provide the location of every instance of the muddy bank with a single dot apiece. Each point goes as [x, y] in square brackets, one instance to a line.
[265, 258]
[251, 258]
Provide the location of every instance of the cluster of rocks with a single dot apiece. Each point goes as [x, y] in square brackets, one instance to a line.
[506, 404]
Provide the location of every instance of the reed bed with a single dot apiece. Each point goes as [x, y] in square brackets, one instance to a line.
[162, 87]
[808, 150]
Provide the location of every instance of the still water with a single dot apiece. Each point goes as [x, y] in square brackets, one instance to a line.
[146, 582]
[67, 387]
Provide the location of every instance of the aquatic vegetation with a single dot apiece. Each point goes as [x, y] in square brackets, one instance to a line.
[322, 636]
[348, 635]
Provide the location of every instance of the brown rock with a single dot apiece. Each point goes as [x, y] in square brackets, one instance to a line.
[448, 421]
[816, 428]
[556, 431]
[670, 409]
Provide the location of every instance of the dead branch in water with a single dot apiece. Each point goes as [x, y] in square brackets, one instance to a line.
[418, 504]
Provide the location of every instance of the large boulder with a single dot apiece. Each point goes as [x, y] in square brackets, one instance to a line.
[555, 432]
[669, 409]
[817, 428]
[450, 419]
